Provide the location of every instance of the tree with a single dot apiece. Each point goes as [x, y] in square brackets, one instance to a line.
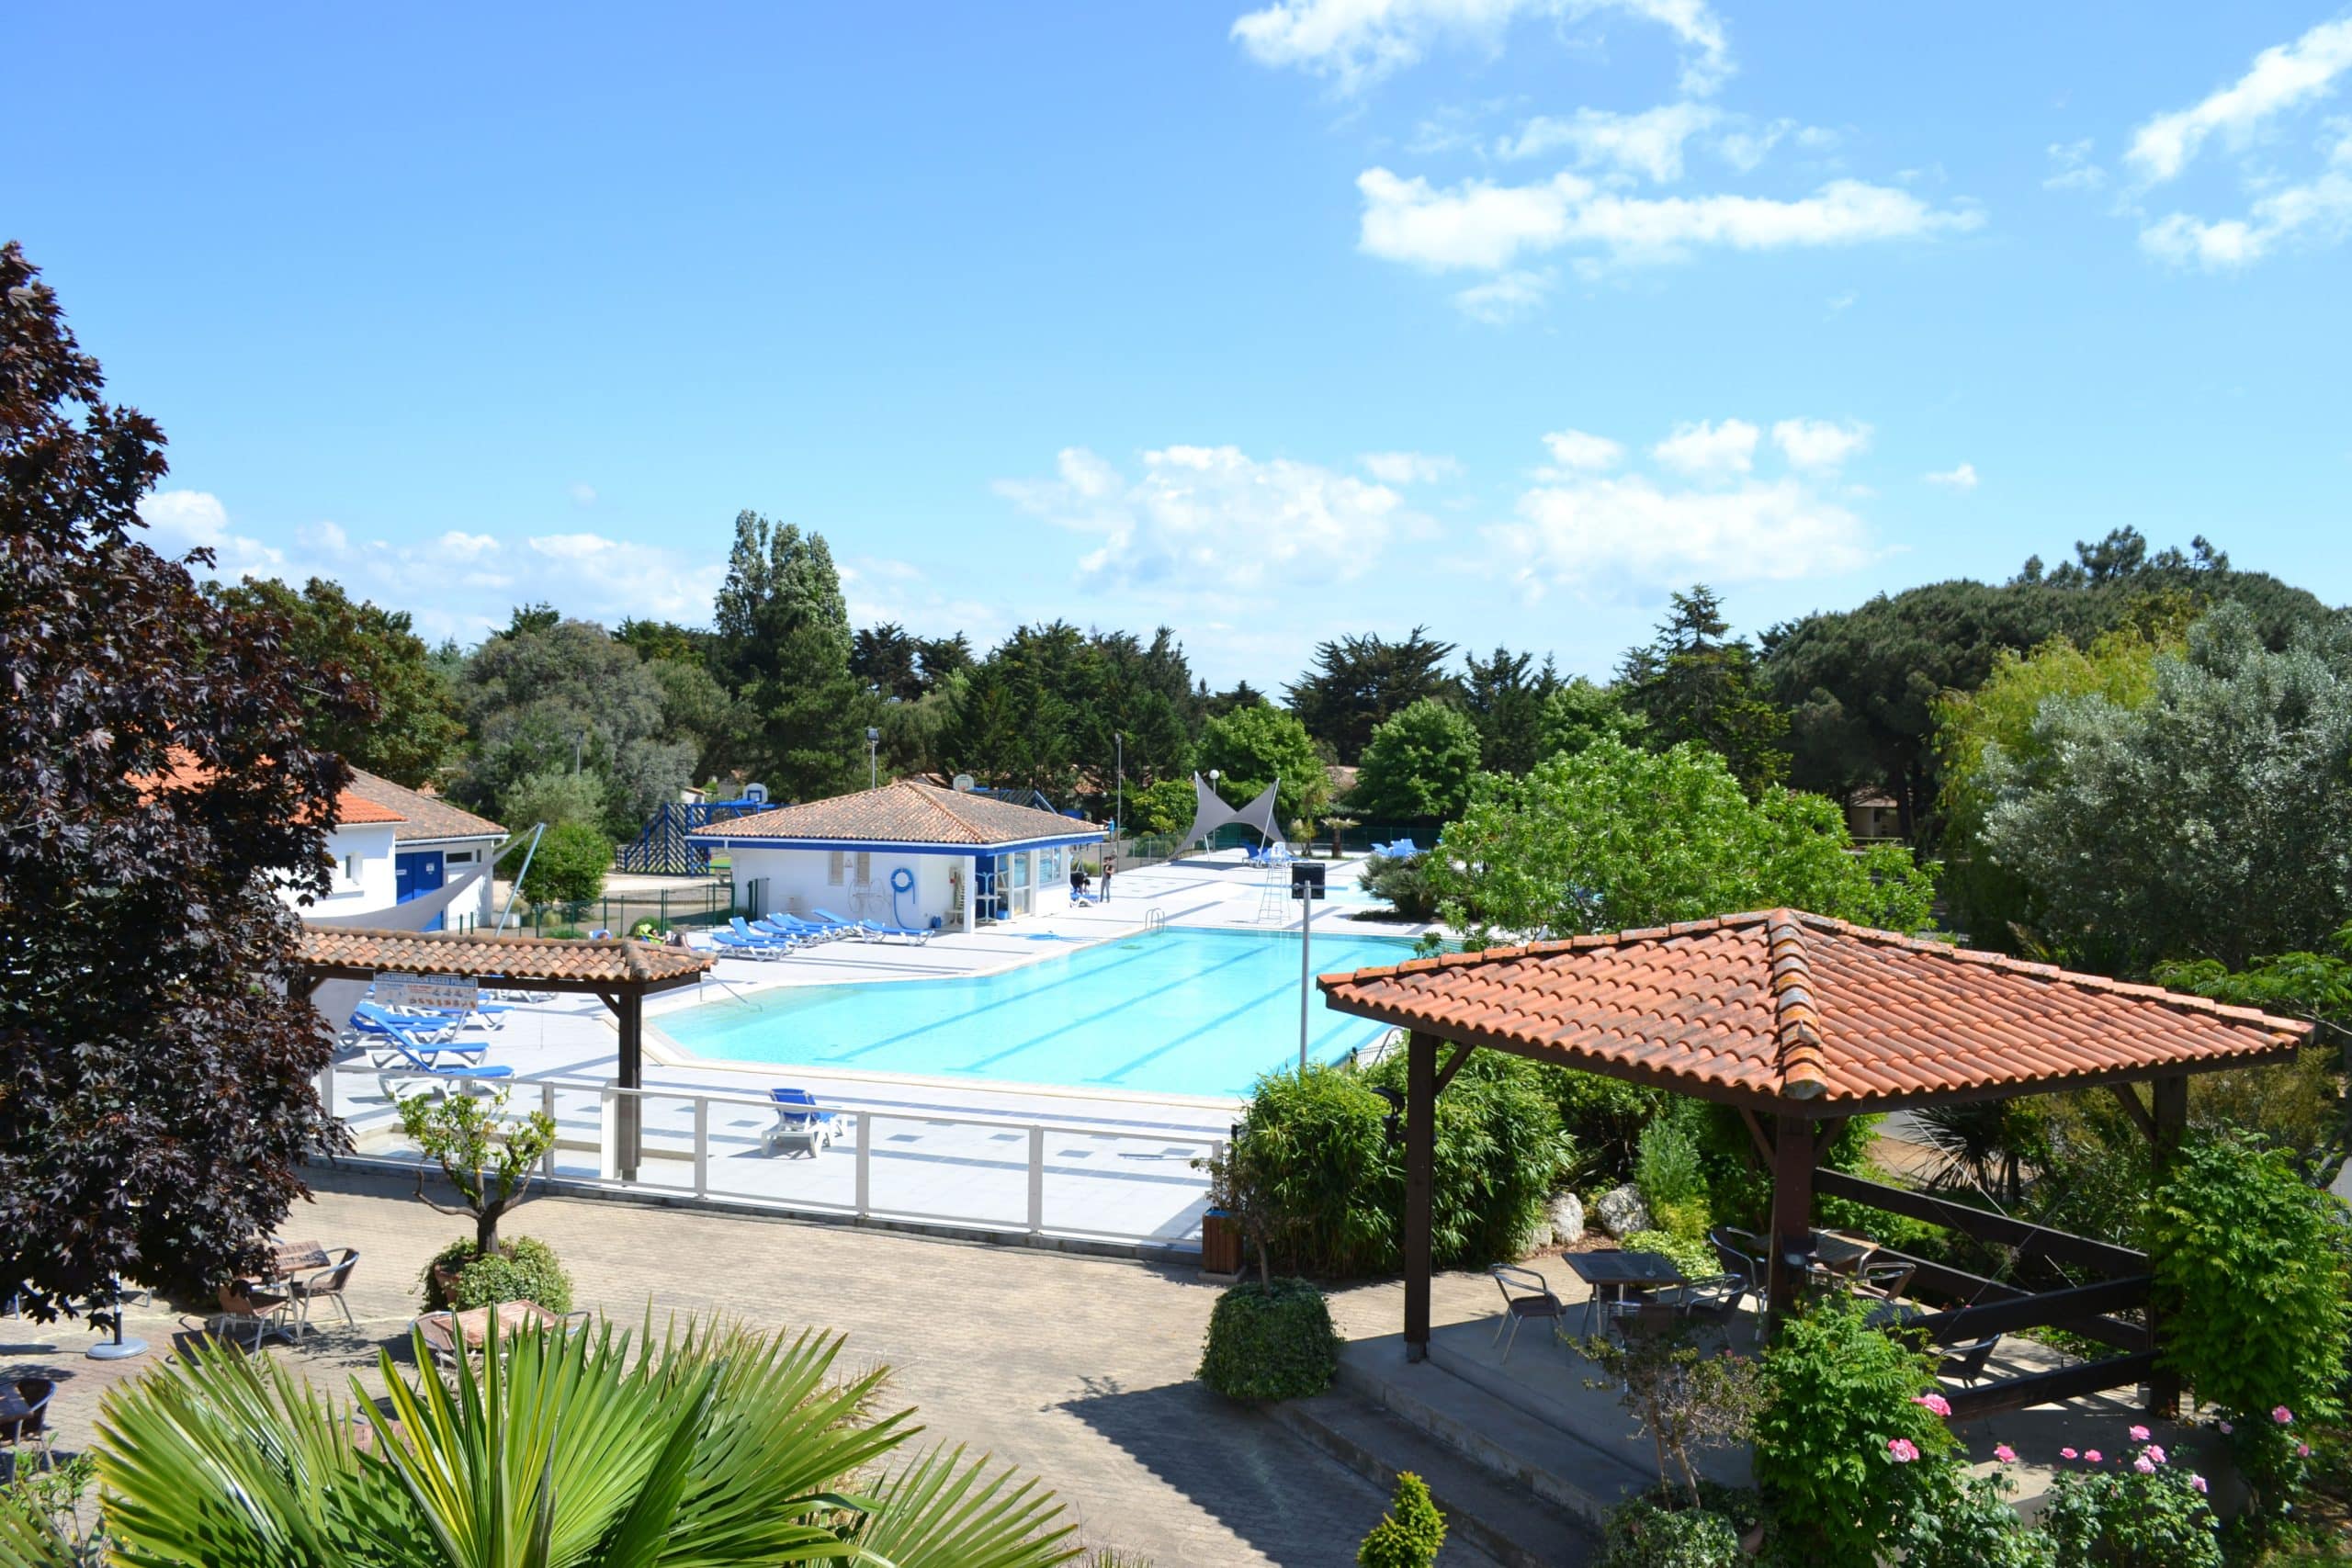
[487, 1158]
[1506, 695]
[941, 657]
[716, 1446]
[663, 642]
[2212, 821]
[1690, 683]
[162, 784]
[1860, 684]
[1254, 746]
[1993, 906]
[1216, 704]
[784, 644]
[884, 658]
[1580, 712]
[358, 644]
[569, 867]
[1357, 682]
[555, 798]
[1613, 839]
[1418, 766]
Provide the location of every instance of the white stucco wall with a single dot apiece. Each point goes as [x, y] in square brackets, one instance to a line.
[477, 906]
[363, 872]
[799, 882]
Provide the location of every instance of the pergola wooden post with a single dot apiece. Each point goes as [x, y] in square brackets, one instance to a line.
[1800, 1022]
[620, 972]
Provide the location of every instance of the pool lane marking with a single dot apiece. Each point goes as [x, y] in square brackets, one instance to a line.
[1030, 994]
[1117, 1007]
[1119, 1073]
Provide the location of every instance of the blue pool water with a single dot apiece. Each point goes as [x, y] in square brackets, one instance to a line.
[1178, 1013]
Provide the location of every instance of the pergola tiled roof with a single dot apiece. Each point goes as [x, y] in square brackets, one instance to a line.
[420, 816]
[1776, 1006]
[905, 811]
[1800, 1022]
[580, 964]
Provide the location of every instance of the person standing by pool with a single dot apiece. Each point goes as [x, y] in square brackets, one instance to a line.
[1077, 882]
[1110, 865]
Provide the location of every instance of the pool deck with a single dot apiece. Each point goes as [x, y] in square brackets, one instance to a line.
[1117, 1163]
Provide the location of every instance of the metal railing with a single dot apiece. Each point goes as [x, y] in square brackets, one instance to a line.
[710, 903]
[711, 1147]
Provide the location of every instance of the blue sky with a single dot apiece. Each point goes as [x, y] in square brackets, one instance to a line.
[1501, 316]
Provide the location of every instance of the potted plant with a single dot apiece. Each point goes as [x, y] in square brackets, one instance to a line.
[488, 1157]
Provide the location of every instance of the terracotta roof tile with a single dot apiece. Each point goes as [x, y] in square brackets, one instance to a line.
[421, 815]
[1793, 1006]
[905, 811]
[183, 771]
[609, 960]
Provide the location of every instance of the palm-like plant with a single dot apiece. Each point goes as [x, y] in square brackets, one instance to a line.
[718, 1447]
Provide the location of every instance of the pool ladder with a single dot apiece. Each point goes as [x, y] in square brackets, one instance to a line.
[1154, 919]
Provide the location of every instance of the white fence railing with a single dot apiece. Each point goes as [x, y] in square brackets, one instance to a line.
[1102, 1179]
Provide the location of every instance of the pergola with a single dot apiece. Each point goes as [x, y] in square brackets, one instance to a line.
[620, 972]
[1799, 1022]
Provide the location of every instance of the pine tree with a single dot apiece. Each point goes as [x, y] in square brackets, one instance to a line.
[1409, 1534]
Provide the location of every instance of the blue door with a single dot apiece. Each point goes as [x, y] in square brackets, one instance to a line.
[416, 873]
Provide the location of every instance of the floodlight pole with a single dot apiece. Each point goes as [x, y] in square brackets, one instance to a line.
[873, 758]
[1305, 896]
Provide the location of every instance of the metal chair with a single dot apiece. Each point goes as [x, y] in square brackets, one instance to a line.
[33, 1425]
[1967, 1362]
[1536, 1299]
[245, 1301]
[1743, 1253]
[325, 1284]
[1885, 1282]
[1716, 1297]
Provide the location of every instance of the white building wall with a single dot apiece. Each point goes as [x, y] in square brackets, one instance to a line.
[799, 882]
[363, 872]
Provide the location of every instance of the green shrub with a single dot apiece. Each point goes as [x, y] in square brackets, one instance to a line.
[1966, 1521]
[1666, 1168]
[1276, 1344]
[1696, 1258]
[525, 1270]
[2119, 1516]
[1604, 1117]
[1409, 1534]
[568, 866]
[1404, 882]
[1322, 1163]
[2252, 1274]
[1640, 1534]
[1845, 1449]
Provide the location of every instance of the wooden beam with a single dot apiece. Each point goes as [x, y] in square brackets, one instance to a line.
[2061, 1247]
[1452, 1065]
[2042, 1311]
[2169, 1119]
[1420, 1173]
[2046, 1388]
[2129, 1098]
[1757, 1135]
[630, 1065]
[1956, 1288]
[1791, 1237]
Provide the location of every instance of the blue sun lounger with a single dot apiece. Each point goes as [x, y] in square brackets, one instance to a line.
[799, 930]
[407, 1065]
[867, 930]
[799, 1122]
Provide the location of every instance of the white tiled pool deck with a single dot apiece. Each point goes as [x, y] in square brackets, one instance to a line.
[1114, 1166]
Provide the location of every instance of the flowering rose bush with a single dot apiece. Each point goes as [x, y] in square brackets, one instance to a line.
[2146, 1512]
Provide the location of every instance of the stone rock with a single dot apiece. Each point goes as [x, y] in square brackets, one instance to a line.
[1621, 1210]
[1567, 1215]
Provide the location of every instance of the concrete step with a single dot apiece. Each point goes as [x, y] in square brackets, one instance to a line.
[1550, 1463]
[1508, 1523]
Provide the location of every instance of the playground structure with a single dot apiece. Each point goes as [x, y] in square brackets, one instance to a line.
[664, 848]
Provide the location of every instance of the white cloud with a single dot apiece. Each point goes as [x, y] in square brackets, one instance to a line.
[2318, 211]
[2283, 77]
[1819, 444]
[1358, 42]
[1409, 468]
[1745, 149]
[584, 494]
[1845, 301]
[2070, 167]
[1710, 450]
[1594, 529]
[1962, 477]
[1482, 225]
[185, 520]
[1577, 450]
[1648, 144]
[1214, 514]
[1503, 299]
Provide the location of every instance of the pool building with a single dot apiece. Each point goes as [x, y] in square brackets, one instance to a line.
[908, 853]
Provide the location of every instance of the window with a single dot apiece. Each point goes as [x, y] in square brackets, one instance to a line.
[834, 861]
[351, 868]
[865, 865]
[458, 857]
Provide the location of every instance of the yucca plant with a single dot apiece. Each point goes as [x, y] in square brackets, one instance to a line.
[718, 1446]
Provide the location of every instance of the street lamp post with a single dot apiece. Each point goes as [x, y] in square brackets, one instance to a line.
[1118, 780]
[873, 758]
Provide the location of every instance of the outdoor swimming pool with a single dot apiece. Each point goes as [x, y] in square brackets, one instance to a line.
[1180, 1011]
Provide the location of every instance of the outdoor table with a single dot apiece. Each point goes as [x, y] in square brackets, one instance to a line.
[289, 1259]
[441, 1329]
[1836, 1252]
[1618, 1270]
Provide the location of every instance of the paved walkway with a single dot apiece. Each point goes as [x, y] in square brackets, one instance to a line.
[1077, 1369]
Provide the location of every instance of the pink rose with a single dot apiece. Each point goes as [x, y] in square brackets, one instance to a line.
[2067, 1453]
[2302, 1450]
[1903, 1450]
[2144, 1465]
[2091, 1455]
[2156, 1452]
[2226, 1428]
[2284, 1417]
[1936, 1403]
[2005, 1453]
[2139, 1433]
[2196, 1484]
